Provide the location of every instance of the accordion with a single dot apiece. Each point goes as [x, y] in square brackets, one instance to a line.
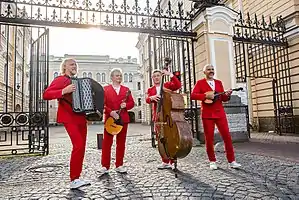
[88, 98]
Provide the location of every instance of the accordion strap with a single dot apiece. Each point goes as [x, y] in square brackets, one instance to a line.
[64, 98]
[66, 101]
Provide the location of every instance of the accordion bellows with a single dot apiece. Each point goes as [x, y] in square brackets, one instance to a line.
[88, 98]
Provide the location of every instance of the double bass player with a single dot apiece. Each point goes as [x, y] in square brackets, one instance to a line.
[153, 96]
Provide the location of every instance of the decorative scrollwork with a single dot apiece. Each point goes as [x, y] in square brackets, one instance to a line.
[6, 119]
[22, 119]
[38, 119]
[168, 18]
[189, 114]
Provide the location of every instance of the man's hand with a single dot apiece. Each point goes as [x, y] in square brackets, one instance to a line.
[155, 98]
[114, 114]
[210, 96]
[68, 89]
[229, 92]
[123, 105]
[166, 72]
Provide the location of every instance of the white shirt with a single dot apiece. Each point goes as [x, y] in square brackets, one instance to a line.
[158, 89]
[117, 89]
[212, 84]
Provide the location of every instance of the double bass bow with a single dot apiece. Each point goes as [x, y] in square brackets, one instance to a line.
[175, 138]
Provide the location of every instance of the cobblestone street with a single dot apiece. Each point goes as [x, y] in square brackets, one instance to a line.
[261, 177]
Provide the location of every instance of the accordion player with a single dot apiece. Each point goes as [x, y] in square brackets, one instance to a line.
[88, 98]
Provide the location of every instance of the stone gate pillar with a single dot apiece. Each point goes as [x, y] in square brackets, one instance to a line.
[214, 28]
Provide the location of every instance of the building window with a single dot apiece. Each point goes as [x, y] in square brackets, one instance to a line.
[84, 74]
[5, 73]
[131, 78]
[103, 77]
[139, 101]
[89, 75]
[98, 77]
[125, 77]
[55, 74]
[138, 86]
[18, 81]
[139, 114]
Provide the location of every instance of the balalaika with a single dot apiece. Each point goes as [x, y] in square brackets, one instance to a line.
[88, 98]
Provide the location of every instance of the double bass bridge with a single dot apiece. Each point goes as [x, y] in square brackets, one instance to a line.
[160, 123]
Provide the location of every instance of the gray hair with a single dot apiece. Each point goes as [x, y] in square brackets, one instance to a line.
[63, 63]
[205, 67]
[115, 70]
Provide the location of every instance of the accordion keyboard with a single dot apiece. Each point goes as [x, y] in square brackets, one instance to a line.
[82, 97]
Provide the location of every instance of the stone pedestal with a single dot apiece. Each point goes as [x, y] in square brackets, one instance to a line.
[237, 118]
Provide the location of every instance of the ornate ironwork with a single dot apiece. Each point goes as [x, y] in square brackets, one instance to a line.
[23, 113]
[261, 52]
[122, 15]
[251, 29]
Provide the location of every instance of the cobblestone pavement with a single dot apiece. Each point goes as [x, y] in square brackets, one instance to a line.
[48, 177]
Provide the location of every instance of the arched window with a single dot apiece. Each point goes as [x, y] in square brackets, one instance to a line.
[55, 74]
[103, 77]
[131, 78]
[98, 77]
[84, 74]
[125, 77]
[89, 75]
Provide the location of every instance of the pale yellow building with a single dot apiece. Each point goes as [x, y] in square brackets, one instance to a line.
[14, 68]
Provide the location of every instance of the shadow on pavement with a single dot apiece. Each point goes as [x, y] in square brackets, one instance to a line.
[288, 151]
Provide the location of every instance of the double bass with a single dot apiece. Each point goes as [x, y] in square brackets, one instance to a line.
[175, 138]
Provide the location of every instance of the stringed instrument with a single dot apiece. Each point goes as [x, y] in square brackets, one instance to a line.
[216, 95]
[114, 126]
[175, 138]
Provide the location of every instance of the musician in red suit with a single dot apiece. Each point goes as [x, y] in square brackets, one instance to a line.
[115, 93]
[214, 114]
[153, 96]
[75, 124]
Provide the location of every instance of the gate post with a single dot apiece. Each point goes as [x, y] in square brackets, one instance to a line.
[215, 31]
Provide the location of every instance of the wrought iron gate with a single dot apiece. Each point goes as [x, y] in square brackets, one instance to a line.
[181, 52]
[262, 62]
[23, 113]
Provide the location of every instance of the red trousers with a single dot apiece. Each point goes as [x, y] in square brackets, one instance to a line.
[164, 160]
[77, 133]
[120, 147]
[209, 127]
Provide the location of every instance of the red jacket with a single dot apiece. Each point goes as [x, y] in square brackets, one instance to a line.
[214, 110]
[112, 102]
[174, 84]
[65, 112]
